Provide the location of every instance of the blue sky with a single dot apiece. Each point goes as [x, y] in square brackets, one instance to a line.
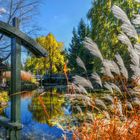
[60, 16]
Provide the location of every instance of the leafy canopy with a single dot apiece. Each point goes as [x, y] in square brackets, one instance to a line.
[76, 47]
[105, 27]
[54, 62]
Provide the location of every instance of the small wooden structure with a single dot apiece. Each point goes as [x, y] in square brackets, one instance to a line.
[55, 79]
[18, 38]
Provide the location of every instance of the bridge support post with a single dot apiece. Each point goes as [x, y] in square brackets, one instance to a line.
[18, 39]
[15, 82]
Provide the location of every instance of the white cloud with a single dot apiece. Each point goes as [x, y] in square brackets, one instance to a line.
[2, 10]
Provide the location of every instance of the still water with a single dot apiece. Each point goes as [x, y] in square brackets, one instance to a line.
[37, 113]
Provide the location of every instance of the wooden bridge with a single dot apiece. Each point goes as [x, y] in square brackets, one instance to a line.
[18, 38]
[55, 79]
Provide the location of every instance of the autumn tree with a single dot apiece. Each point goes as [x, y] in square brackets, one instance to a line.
[53, 63]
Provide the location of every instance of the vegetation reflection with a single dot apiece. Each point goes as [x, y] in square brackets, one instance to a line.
[47, 106]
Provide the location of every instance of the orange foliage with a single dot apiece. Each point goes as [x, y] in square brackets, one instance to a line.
[43, 106]
[103, 129]
[25, 76]
[66, 72]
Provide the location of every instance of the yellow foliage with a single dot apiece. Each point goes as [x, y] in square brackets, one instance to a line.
[3, 100]
[54, 62]
[4, 97]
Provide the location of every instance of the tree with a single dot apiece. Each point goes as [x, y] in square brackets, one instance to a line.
[105, 28]
[25, 10]
[53, 63]
[76, 47]
[73, 50]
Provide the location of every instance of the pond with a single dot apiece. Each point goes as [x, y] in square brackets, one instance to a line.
[39, 114]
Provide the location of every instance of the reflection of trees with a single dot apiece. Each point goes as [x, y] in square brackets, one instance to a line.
[51, 108]
[2, 110]
[3, 101]
[27, 95]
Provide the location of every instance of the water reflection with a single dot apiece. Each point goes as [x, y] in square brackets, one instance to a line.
[37, 113]
[47, 107]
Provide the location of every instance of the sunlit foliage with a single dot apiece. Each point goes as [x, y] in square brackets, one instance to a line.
[54, 62]
[105, 28]
[3, 100]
